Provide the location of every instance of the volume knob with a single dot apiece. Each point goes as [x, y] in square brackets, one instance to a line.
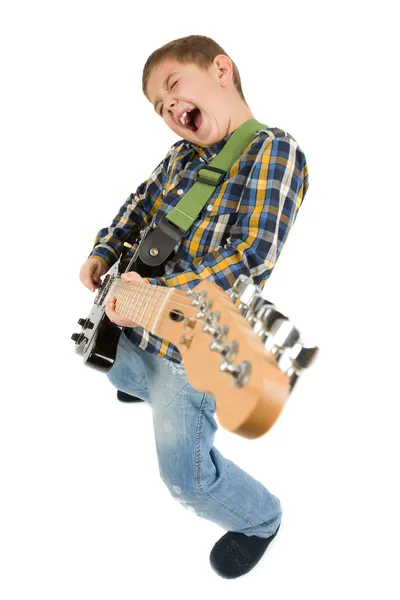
[86, 323]
[79, 337]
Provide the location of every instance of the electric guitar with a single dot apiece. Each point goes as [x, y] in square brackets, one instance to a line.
[237, 347]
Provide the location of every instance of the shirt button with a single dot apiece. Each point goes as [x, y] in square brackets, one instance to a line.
[209, 207]
[163, 192]
[180, 192]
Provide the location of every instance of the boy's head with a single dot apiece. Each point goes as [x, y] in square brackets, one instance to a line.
[194, 75]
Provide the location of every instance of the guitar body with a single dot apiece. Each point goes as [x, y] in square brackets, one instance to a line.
[98, 341]
[98, 347]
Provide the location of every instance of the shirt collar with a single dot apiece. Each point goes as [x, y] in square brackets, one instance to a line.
[211, 151]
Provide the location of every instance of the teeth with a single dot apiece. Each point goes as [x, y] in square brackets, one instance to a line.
[183, 119]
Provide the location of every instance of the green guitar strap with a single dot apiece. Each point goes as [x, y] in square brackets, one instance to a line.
[208, 177]
[160, 241]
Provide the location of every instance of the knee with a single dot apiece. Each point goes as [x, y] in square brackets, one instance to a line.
[181, 484]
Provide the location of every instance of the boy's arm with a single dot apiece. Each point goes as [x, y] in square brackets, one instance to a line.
[273, 193]
[135, 214]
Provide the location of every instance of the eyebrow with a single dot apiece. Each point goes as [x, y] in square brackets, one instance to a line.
[166, 85]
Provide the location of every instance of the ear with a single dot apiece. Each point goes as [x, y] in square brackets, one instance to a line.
[224, 69]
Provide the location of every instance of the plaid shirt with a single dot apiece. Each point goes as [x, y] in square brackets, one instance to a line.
[241, 229]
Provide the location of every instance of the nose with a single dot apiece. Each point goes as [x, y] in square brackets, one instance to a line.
[171, 103]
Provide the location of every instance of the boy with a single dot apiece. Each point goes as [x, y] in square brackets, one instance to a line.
[195, 88]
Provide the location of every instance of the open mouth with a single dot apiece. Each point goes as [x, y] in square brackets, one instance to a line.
[192, 119]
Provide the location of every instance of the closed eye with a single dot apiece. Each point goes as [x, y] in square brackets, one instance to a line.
[161, 108]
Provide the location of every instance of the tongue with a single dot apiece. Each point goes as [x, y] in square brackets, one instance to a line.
[198, 119]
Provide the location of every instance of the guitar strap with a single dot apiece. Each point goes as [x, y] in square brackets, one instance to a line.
[160, 242]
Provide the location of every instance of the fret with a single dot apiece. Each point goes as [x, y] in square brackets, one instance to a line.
[152, 310]
[166, 298]
[137, 294]
[151, 296]
[124, 299]
[142, 303]
[130, 295]
[142, 287]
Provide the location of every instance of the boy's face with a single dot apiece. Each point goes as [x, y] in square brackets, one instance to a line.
[175, 88]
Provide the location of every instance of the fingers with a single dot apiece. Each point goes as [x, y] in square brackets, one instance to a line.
[87, 281]
[92, 284]
[91, 272]
[131, 276]
[110, 308]
[115, 317]
[111, 314]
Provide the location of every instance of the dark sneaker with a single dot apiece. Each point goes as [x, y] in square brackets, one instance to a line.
[127, 397]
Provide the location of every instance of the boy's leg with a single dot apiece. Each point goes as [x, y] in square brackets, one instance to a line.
[127, 373]
[123, 396]
[195, 472]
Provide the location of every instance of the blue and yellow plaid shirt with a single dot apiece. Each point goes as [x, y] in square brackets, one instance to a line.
[241, 229]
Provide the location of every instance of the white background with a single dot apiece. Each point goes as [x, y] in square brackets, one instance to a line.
[84, 513]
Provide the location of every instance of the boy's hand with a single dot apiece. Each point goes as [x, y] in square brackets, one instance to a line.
[110, 303]
[91, 271]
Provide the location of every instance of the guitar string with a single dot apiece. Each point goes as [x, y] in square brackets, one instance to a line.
[172, 310]
[164, 291]
[146, 289]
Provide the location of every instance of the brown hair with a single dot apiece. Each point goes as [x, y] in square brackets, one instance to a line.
[197, 49]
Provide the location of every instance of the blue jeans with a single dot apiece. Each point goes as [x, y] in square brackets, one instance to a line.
[194, 471]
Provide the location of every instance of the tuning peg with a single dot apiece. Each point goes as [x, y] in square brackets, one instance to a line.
[220, 336]
[229, 351]
[211, 322]
[259, 304]
[266, 318]
[246, 297]
[303, 356]
[198, 298]
[243, 289]
[205, 308]
[239, 284]
[259, 307]
[282, 334]
[241, 371]
[295, 360]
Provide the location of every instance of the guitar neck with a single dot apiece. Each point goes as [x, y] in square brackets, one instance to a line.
[152, 306]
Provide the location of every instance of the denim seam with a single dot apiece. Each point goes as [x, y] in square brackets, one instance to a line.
[198, 462]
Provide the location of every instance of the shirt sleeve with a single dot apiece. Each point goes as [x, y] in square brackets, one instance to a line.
[135, 214]
[272, 195]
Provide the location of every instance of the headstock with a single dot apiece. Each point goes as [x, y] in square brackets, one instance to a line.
[240, 349]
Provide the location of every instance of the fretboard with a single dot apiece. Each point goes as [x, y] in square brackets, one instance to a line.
[145, 304]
